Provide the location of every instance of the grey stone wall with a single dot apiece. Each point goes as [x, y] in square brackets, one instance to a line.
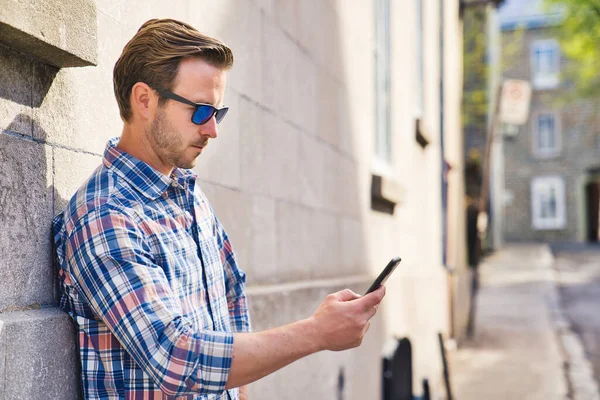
[579, 133]
[38, 355]
[37, 342]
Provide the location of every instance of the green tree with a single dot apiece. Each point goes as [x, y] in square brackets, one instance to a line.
[476, 98]
[579, 36]
[475, 94]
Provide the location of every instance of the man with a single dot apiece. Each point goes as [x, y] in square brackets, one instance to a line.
[146, 270]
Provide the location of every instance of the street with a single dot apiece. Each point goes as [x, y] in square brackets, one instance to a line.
[578, 279]
[536, 326]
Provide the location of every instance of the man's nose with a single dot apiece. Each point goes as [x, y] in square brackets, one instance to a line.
[210, 128]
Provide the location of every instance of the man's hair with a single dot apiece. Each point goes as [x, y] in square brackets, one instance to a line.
[153, 55]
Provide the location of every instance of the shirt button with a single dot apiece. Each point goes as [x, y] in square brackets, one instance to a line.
[165, 195]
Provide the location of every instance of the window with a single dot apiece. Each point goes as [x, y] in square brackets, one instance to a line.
[419, 98]
[383, 138]
[545, 64]
[546, 134]
[548, 203]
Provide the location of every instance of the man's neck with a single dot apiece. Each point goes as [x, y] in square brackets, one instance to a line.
[134, 142]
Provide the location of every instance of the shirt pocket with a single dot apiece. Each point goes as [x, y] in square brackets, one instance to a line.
[177, 254]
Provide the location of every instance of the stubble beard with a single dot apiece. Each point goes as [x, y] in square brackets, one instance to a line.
[168, 144]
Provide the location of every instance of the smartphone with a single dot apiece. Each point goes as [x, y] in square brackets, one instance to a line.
[385, 274]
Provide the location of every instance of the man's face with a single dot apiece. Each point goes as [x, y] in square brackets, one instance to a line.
[175, 139]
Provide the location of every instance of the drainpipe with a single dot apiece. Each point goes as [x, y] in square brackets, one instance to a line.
[443, 158]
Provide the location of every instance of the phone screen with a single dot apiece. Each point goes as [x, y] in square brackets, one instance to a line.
[385, 274]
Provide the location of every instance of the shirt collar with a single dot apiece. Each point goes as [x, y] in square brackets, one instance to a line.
[141, 176]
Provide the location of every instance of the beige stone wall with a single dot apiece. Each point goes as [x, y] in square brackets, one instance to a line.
[289, 175]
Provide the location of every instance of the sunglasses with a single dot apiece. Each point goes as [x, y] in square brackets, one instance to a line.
[202, 113]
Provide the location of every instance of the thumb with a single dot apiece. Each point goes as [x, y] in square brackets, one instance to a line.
[374, 298]
[346, 295]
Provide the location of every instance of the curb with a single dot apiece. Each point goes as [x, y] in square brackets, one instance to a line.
[578, 370]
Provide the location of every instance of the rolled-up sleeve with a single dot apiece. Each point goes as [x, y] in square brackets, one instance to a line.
[111, 264]
[235, 282]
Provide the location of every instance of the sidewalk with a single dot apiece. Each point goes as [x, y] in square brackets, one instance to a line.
[522, 347]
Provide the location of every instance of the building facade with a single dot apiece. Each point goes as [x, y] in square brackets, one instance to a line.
[551, 162]
[342, 148]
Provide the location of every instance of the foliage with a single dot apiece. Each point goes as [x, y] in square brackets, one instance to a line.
[579, 35]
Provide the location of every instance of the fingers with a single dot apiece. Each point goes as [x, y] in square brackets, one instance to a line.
[346, 295]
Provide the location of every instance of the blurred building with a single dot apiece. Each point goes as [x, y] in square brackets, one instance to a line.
[342, 148]
[551, 163]
[482, 69]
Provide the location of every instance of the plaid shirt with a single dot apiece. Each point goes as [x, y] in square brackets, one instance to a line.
[150, 279]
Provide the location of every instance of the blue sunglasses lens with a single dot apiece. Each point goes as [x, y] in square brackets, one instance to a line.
[203, 114]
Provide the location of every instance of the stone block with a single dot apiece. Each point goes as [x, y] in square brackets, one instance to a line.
[311, 172]
[285, 14]
[220, 160]
[353, 246]
[282, 147]
[332, 170]
[71, 169]
[266, 6]
[316, 376]
[263, 252]
[15, 92]
[253, 150]
[57, 115]
[40, 356]
[111, 8]
[250, 224]
[359, 15]
[293, 251]
[78, 109]
[351, 188]
[349, 136]
[26, 197]
[321, 36]
[269, 154]
[303, 107]
[134, 13]
[59, 33]
[239, 25]
[308, 245]
[234, 210]
[322, 245]
[279, 70]
[99, 82]
[327, 109]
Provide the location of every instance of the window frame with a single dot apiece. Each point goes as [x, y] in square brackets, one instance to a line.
[420, 60]
[546, 183]
[535, 125]
[549, 80]
[382, 155]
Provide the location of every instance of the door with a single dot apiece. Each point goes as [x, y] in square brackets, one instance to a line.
[592, 198]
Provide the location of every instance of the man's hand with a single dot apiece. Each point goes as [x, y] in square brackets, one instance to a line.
[339, 323]
[244, 392]
[343, 318]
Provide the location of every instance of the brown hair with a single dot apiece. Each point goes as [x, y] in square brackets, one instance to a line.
[153, 55]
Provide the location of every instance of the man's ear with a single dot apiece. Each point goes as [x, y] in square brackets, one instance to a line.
[144, 101]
